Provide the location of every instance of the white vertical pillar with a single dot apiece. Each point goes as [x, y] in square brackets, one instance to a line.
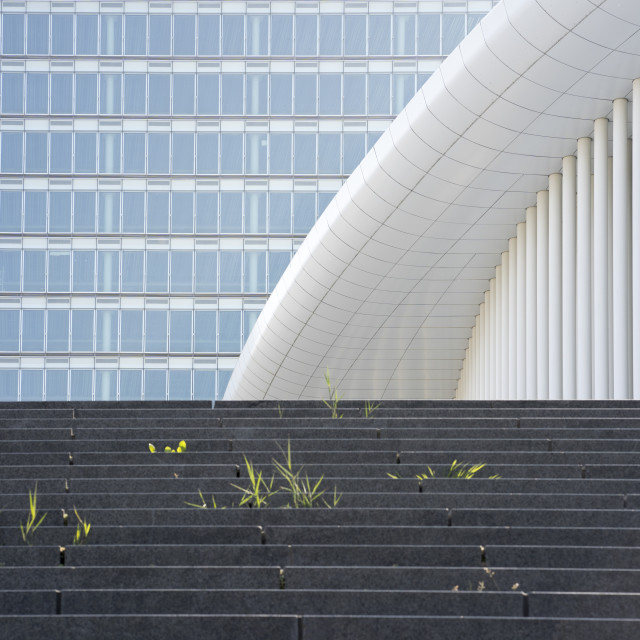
[555, 286]
[621, 253]
[513, 318]
[471, 365]
[530, 326]
[492, 339]
[487, 344]
[600, 259]
[504, 334]
[542, 295]
[497, 334]
[569, 277]
[635, 239]
[480, 338]
[583, 272]
[610, 269]
[521, 320]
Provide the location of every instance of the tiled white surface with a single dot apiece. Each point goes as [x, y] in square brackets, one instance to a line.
[386, 288]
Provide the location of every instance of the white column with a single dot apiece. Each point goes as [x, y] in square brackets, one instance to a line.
[504, 335]
[530, 327]
[600, 259]
[513, 319]
[487, 345]
[472, 365]
[542, 295]
[621, 252]
[521, 320]
[555, 286]
[480, 338]
[635, 238]
[583, 272]
[569, 277]
[610, 269]
[497, 334]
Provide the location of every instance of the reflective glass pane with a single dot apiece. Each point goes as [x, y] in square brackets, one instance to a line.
[206, 271]
[181, 271]
[158, 212]
[184, 86]
[159, 35]
[108, 271]
[223, 380]
[59, 271]
[206, 212]
[37, 92]
[184, 35]
[304, 212]
[35, 152]
[58, 330]
[13, 33]
[207, 160]
[84, 270]
[109, 212]
[354, 150]
[279, 212]
[82, 330]
[111, 35]
[208, 35]
[379, 35]
[179, 385]
[355, 35]
[107, 330]
[429, 34]
[134, 152]
[182, 212]
[158, 153]
[473, 20]
[135, 35]
[9, 329]
[85, 152]
[31, 385]
[230, 323]
[231, 212]
[280, 153]
[61, 93]
[230, 271]
[10, 211]
[34, 265]
[257, 93]
[281, 94]
[404, 35]
[157, 271]
[180, 331]
[278, 262]
[204, 384]
[281, 35]
[110, 93]
[132, 270]
[35, 211]
[60, 212]
[135, 93]
[155, 384]
[183, 152]
[323, 201]
[81, 382]
[257, 35]
[232, 35]
[379, 94]
[131, 330]
[372, 138]
[306, 35]
[330, 93]
[12, 88]
[255, 212]
[208, 93]
[86, 93]
[33, 330]
[231, 152]
[453, 29]
[204, 333]
[106, 384]
[250, 317]
[255, 271]
[305, 93]
[110, 152]
[159, 94]
[354, 93]
[403, 90]
[37, 33]
[56, 384]
[62, 34]
[11, 152]
[130, 384]
[329, 153]
[304, 155]
[256, 153]
[330, 35]
[60, 159]
[155, 331]
[232, 96]
[133, 212]
[86, 34]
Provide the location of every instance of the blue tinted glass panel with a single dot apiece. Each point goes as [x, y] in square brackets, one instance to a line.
[223, 380]
[37, 92]
[35, 211]
[255, 212]
[60, 160]
[304, 153]
[232, 35]
[330, 35]
[158, 153]
[106, 384]
[86, 35]
[230, 271]
[257, 93]
[354, 94]
[305, 94]
[183, 152]
[184, 86]
[84, 212]
[109, 212]
[184, 35]
[404, 35]
[84, 266]
[230, 337]
[156, 331]
[135, 93]
[85, 152]
[206, 271]
[204, 385]
[379, 94]
[208, 35]
[111, 35]
[330, 93]
[280, 153]
[33, 330]
[58, 330]
[255, 272]
[60, 212]
[130, 384]
[429, 34]
[379, 35]
[181, 212]
[135, 35]
[355, 35]
[231, 152]
[207, 161]
[82, 330]
[132, 270]
[181, 271]
[329, 153]
[158, 271]
[250, 318]
[11, 152]
[306, 35]
[155, 384]
[206, 212]
[56, 388]
[159, 35]
[403, 90]
[134, 152]
[86, 93]
[62, 34]
[61, 93]
[256, 161]
[208, 93]
[110, 152]
[13, 33]
[110, 93]
[278, 262]
[106, 330]
[133, 212]
[354, 150]
[158, 212]
[279, 212]
[9, 329]
[81, 381]
[37, 33]
[179, 385]
[31, 385]
[281, 94]
[131, 330]
[281, 35]
[231, 212]
[205, 332]
[304, 212]
[453, 29]
[180, 331]
[257, 35]
[232, 93]
[34, 266]
[108, 270]
[59, 271]
[10, 211]
[12, 88]
[35, 152]
[159, 93]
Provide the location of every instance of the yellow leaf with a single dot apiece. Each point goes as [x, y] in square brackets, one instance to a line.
[152, 448]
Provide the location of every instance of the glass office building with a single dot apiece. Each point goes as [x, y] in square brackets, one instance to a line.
[160, 163]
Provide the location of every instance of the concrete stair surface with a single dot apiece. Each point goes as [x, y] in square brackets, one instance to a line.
[550, 549]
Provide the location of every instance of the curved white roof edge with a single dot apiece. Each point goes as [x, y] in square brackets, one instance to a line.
[386, 287]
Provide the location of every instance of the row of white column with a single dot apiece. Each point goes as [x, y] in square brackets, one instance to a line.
[561, 318]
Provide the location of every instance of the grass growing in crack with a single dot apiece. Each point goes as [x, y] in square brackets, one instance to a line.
[82, 529]
[334, 398]
[203, 504]
[182, 446]
[460, 470]
[369, 408]
[29, 529]
[259, 492]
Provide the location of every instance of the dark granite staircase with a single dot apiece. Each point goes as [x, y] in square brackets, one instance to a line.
[549, 550]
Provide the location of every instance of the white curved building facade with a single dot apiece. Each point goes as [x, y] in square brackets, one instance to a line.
[489, 244]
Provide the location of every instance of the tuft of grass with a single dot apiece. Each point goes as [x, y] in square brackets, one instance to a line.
[82, 529]
[259, 492]
[203, 503]
[334, 398]
[461, 470]
[29, 529]
[369, 408]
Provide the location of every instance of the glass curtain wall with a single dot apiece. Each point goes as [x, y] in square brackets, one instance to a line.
[160, 163]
